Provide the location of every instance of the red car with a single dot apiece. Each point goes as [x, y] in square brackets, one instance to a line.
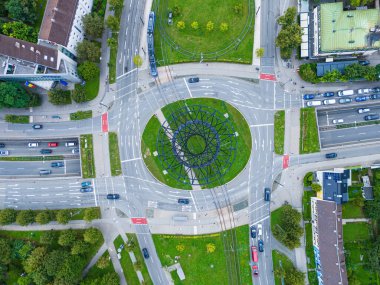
[255, 270]
[52, 144]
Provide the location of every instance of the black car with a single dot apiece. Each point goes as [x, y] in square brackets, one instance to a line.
[37, 127]
[57, 164]
[183, 201]
[267, 194]
[2, 145]
[253, 232]
[145, 252]
[261, 245]
[364, 62]
[113, 196]
[375, 89]
[371, 117]
[375, 96]
[193, 79]
[331, 155]
[46, 151]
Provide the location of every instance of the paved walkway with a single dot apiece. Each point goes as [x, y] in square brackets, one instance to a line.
[101, 155]
[345, 221]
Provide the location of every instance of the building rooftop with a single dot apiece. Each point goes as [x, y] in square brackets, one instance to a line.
[325, 67]
[57, 22]
[367, 188]
[335, 186]
[330, 237]
[29, 52]
[346, 30]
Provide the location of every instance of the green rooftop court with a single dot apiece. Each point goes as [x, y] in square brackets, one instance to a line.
[346, 30]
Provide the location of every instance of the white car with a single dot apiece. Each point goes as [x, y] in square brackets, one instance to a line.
[364, 91]
[363, 110]
[34, 144]
[259, 230]
[337, 121]
[329, 101]
[313, 103]
[4, 152]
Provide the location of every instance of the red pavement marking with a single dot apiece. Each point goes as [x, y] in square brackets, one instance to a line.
[285, 161]
[267, 76]
[139, 221]
[105, 122]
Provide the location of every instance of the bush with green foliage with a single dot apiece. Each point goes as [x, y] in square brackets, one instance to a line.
[79, 93]
[93, 25]
[113, 23]
[63, 216]
[13, 95]
[67, 238]
[43, 217]
[20, 31]
[87, 50]
[59, 96]
[25, 217]
[92, 235]
[7, 216]
[91, 214]
[22, 10]
[48, 237]
[88, 70]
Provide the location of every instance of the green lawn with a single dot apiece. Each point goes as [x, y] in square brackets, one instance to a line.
[351, 210]
[310, 255]
[286, 263]
[306, 204]
[92, 88]
[17, 119]
[279, 131]
[114, 154]
[197, 263]
[309, 139]
[201, 40]
[87, 156]
[81, 115]
[356, 232]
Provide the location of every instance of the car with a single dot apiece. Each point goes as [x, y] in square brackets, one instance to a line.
[118, 256]
[308, 96]
[259, 230]
[37, 127]
[45, 172]
[255, 256]
[345, 100]
[33, 144]
[52, 144]
[364, 91]
[360, 98]
[364, 62]
[331, 155]
[328, 94]
[267, 194]
[255, 270]
[86, 183]
[86, 189]
[253, 231]
[314, 103]
[4, 152]
[345, 92]
[261, 245]
[193, 79]
[183, 201]
[57, 164]
[375, 96]
[363, 110]
[46, 151]
[71, 144]
[337, 121]
[75, 151]
[2, 145]
[170, 18]
[371, 117]
[113, 196]
[329, 101]
[375, 89]
[145, 252]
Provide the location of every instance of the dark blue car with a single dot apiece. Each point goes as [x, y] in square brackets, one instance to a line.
[308, 96]
[261, 245]
[253, 231]
[375, 96]
[361, 98]
[328, 94]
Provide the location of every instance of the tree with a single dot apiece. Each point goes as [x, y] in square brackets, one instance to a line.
[113, 23]
[181, 25]
[137, 265]
[294, 277]
[63, 216]
[59, 97]
[79, 247]
[289, 37]
[260, 52]
[209, 26]
[176, 11]
[90, 214]
[103, 262]
[93, 25]
[87, 50]
[12, 95]
[288, 18]
[331, 76]
[79, 93]
[137, 60]
[25, 217]
[92, 235]
[372, 209]
[48, 237]
[20, 31]
[67, 238]
[279, 272]
[116, 5]
[54, 261]
[238, 9]
[24, 280]
[316, 187]
[112, 42]
[195, 25]
[23, 10]
[43, 218]
[88, 70]
[223, 27]
[5, 251]
[35, 260]
[371, 73]
[308, 72]
[7, 216]
[70, 272]
[358, 202]
[110, 279]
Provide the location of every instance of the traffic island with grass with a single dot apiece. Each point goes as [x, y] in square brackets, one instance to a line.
[17, 119]
[87, 156]
[309, 138]
[204, 30]
[279, 132]
[114, 154]
[204, 142]
[81, 115]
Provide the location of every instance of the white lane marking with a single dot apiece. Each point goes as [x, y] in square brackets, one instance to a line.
[96, 201]
[187, 86]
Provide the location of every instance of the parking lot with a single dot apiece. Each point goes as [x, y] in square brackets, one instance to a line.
[40, 158]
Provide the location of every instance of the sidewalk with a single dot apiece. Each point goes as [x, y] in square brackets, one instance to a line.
[101, 155]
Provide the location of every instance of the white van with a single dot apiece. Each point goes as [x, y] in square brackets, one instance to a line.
[70, 144]
[329, 101]
[345, 92]
[313, 103]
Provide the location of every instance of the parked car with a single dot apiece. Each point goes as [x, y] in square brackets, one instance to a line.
[75, 151]
[328, 94]
[57, 164]
[46, 151]
[71, 144]
[329, 101]
[37, 127]
[364, 91]
[4, 152]
[371, 117]
[52, 144]
[113, 196]
[363, 110]
[267, 194]
[313, 103]
[33, 144]
[45, 172]
[255, 256]
[337, 121]
[183, 201]
[259, 230]
[364, 62]
[193, 79]
[345, 92]
[375, 89]
[145, 252]
[345, 100]
[261, 245]
[360, 98]
[331, 155]
[86, 183]
[253, 231]
[255, 270]
[375, 96]
[308, 96]
[2, 145]
[86, 189]
[170, 18]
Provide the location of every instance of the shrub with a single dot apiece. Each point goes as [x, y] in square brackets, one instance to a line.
[308, 72]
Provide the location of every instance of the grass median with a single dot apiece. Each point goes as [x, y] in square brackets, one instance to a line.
[114, 154]
[32, 158]
[17, 119]
[87, 156]
[81, 115]
[279, 132]
[309, 138]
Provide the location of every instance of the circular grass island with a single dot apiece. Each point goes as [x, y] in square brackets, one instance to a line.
[203, 143]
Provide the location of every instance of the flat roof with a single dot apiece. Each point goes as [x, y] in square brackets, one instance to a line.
[335, 186]
[346, 30]
[27, 51]
[325, 67]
